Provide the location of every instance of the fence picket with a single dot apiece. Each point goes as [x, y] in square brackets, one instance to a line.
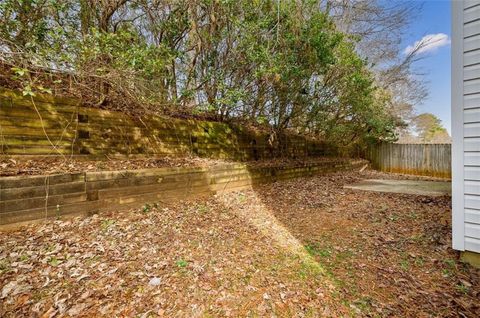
[418, 159]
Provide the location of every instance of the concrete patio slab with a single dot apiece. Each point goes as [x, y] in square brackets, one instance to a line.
[417, 187]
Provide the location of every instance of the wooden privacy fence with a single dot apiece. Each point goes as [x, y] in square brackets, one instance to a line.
[419, 159]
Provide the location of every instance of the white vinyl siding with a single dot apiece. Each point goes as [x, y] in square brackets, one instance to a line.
[471, 101]
[472, 216]
[466, 124]
[472, 173]
[472, 14]
[471, 115]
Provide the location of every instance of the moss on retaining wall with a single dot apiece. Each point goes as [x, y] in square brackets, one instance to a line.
[77, 130]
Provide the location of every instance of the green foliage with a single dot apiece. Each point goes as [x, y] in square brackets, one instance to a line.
[277, 63]
[462, 288]
[106, 224]
[181, 263]
[4, 267]
[202, 208]
[124, 50]
[146, 208]
[53, 261]
[429, 128]
[314, 250]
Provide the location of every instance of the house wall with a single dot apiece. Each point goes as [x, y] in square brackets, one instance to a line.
[466, 125]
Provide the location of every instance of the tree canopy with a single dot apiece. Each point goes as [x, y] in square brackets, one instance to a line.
[282, 64]
[430, 130]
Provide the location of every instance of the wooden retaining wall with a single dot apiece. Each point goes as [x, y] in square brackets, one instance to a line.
[418, 159]
[77, 130]
[27, 198]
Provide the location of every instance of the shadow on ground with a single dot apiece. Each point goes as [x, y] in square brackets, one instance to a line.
[388, 254]
[300, 248]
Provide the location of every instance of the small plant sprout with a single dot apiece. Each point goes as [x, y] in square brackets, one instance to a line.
[146, 208]
[4, 267]
[19, 72]
[53, 261]
[462, 288]
[241, 197]
[182, 263]
[202, 208]
[106, 224]
[405, 264]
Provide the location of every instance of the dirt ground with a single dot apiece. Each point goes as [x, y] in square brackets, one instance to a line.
[47, 165]
[300, 248]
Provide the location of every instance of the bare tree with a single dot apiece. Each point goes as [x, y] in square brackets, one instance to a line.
[379, 26]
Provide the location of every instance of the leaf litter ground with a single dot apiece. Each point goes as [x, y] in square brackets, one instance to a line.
[300, 248]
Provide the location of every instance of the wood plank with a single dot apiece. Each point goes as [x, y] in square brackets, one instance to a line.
[137, 201]
[34, 150]
[35, 141]
[34, 123]
[41, 101]
[78, 208]
[40, 202]
[41, 191]
[28, 112]
[34, 181]
[8, 130]
[153, 172]
[180, 187]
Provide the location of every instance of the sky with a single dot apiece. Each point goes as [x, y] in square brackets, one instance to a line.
[434, 22]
